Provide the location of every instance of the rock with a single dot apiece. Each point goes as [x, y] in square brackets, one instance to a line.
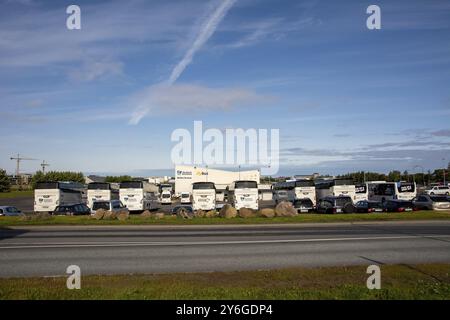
[109, 215]
[266, 213]
[285, 209]
[228, 212]
[123, 215]
[211, 214]
[199, 214]
[99, 214]
[246, 213]
[184, 213]
[146, 214]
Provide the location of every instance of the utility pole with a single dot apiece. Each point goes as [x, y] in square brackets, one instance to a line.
[18, 159]
[43, 165]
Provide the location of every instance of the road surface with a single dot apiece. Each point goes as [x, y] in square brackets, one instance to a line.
[47, 251]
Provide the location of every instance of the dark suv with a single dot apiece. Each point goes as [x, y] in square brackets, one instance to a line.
[365, 206]
[72, 210]
[398, 206]
[342, 204]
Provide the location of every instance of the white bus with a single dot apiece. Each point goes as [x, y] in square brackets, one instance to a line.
[244, 194]
[295, 190]
[361, 192]
[138, 196]
[336, 188]
[49, 195]
[383, 191]
[101, 191]
[203, 196]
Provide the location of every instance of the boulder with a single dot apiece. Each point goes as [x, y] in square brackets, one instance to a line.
[123, 215]
[199, 214]
[109, 215]
[211, 214]
[146, 214]
[285, 209]
[228, 212]
[266, 213]
[99, 214]
[246, 213]
[183, 213]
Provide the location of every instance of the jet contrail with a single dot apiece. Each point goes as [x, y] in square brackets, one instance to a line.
[206, 32]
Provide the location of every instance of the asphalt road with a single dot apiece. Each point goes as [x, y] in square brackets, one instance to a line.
[47, 251]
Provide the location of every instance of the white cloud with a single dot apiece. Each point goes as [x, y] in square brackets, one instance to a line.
[92, 70]
[163, 99]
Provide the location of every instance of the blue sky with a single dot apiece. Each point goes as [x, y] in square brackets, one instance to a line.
[344, 97]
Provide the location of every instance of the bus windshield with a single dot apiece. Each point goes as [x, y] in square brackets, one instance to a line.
[203, 185]
[304, 183]
[343, 182]
[131, 185]
[246, 185]
[46, 185]
[98, 186]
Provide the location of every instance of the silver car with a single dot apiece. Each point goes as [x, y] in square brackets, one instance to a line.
[111, 205]
[10, 211]
[428, 202]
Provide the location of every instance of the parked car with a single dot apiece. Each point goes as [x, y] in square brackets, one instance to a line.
[111, 205]
[72, 210]
[365, 206]
[304, 205]
[280, 195]
[8, 211]
[438, 190]
[177, 208]
[398, 206]
[185, 197]
[427, 202]
[341, 204]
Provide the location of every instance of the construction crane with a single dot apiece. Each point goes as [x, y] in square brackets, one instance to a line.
[43, 165]
[18, 159]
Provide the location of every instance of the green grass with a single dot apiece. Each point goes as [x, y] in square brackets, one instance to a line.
[16, 193]
[172, 220]
[430, 281]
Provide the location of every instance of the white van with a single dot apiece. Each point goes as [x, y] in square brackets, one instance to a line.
[166, 197]
[185, 197]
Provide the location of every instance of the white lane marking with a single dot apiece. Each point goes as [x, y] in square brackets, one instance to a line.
[191, 243]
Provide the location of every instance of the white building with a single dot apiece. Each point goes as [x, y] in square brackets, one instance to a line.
[185, 176]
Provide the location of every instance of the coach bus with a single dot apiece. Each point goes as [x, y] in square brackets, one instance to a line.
[336, 188]
[244, 194]
[295, 190]
[383, 191]
[101, 191]
[138, 196]
[203, 196]
[49, 195]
